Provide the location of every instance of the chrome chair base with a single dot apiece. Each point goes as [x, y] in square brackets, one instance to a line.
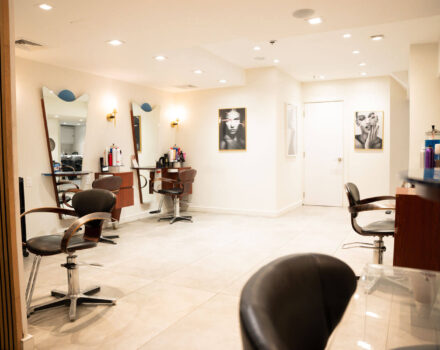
[73, 297]
[72, 301]
[378, 248]
[176, 216]
[173, 218]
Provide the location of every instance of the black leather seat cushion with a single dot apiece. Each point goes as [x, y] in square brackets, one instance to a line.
[51, 244]
[295, 302]
[175, 191]
[382, 227]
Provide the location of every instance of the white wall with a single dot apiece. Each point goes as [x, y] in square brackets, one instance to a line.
[289, 182]
[399, 133]
[369, 170]
[424, 92]
[240, 181]
[105, 94]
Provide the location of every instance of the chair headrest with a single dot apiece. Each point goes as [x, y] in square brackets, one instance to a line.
[352, 193]
[92, 201]
[187, 175]
[110, 183]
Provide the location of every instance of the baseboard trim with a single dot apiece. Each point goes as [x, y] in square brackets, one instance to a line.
[27, 342]
[248, 212]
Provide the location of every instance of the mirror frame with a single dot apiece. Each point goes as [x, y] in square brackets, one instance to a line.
[138, 172]
[52, 171]
[46, 129]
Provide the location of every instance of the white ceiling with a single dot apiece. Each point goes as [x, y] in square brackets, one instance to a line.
[218, 37]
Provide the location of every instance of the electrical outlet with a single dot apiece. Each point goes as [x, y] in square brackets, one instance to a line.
[28, 181]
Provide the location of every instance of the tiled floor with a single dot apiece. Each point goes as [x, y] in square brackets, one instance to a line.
[178, 285]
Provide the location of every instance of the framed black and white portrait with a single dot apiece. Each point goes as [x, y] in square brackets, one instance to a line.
[232, 129]
[291, 129]
[368, 130]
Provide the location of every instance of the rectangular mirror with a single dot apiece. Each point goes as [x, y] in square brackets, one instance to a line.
[145, 139]
[65, 122]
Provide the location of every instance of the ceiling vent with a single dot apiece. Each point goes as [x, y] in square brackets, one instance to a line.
[186, 87]
[27, 45]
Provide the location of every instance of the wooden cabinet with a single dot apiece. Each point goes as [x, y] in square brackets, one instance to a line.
[417, 237]
[125, 197]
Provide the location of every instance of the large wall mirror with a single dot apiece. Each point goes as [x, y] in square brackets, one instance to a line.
[65, 119]
[145, 123]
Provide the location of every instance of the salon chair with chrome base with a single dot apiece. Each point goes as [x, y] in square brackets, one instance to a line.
[178, 189]
[295, 302]
[92, 207]
[379, 229]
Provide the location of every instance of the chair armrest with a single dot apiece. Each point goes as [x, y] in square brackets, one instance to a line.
[370, 207]
[376, 199]
[63, 182]
[55, 210]
[80, 222]
[165, 179]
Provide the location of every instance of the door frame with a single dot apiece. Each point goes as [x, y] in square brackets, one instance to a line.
[12, 320]
[344, 149]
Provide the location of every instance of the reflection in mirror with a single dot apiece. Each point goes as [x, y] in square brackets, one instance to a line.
[146, 136]
[66, 130]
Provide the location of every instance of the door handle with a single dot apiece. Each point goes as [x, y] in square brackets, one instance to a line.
[339, 159]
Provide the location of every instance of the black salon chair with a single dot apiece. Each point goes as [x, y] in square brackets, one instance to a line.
[179, 187]
[295, 302]
[92, 207]
[380, 229]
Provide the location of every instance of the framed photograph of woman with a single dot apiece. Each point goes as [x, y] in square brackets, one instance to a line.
[232, 129]
[368, 130]
[291, 130]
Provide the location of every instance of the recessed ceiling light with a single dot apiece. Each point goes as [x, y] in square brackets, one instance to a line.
[115, 42]
[45, 7]
[222, 81]
[315, 20]
[362, 64]
[55, 116]
[80, 120]
[355, 52]
[276, 60]
[322, 77]
[363, 74]
[303, 13]
[160, 58]
[257, 48]
[346, 35]
[197, 71]
[377, 37]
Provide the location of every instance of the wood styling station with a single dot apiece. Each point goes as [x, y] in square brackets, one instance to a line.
[125, 196]
[417, 236]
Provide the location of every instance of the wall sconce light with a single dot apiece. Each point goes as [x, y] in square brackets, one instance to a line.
[112, 116]
[175, 123]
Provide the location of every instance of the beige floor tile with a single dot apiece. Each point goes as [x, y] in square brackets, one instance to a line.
[213, 326]
[134, 320]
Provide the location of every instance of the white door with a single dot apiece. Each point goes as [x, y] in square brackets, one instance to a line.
[323, 147]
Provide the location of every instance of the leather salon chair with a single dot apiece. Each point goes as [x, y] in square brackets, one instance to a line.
[378, 229]
[109, 183]
[91, 207]
[179, 188]
[295, 302]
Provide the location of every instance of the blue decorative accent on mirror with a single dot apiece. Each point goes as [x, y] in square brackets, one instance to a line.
[67, 95]
[146, 107]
